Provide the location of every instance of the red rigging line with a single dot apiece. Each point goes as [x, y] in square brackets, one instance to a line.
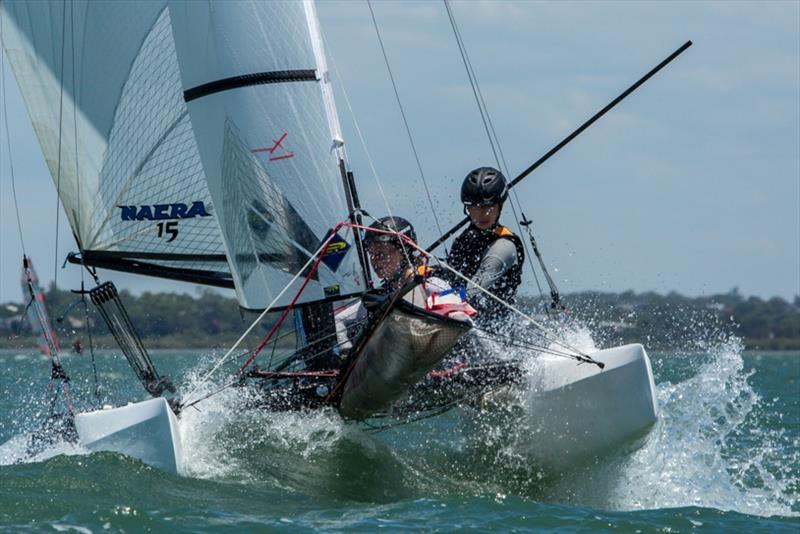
[310, 275]
[291, 305]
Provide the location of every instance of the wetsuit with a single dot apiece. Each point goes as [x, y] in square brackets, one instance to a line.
[491, 259]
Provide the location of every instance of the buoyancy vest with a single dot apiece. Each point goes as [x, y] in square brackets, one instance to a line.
[468, 252]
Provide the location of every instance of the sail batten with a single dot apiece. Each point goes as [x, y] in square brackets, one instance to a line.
[245, 80]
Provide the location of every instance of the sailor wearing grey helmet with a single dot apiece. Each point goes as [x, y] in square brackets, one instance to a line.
[388, 255]
[487, 253]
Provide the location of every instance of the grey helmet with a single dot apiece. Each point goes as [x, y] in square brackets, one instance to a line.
[485, 186]
[392, 224]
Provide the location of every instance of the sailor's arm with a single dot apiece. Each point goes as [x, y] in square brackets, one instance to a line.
[345, 320]
[499, 258]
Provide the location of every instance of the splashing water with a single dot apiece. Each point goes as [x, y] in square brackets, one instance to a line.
[708, 448]
[718, 443]
[695, 456]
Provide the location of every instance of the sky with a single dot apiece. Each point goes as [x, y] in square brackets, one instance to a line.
[691, 184]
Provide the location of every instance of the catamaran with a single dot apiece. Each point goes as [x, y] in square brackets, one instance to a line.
[216, 157]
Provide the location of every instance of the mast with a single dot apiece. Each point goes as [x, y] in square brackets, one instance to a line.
[318, 320]
[348, 181]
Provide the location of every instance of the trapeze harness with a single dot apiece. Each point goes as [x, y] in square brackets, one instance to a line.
[466, 256]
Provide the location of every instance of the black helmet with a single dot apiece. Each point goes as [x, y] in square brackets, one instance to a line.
[484, 186]
[392, 224]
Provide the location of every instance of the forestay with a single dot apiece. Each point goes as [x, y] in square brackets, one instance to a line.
[256, 84]
[103, 90]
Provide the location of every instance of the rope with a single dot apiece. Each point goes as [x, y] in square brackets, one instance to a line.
[316, 259]
[91, 342]
[60, 131]
[491, 133]
[508, 340]
[403, 115]
[507, 305]
[55, 360]
[288, 308]
[8, 144]
[263, 314]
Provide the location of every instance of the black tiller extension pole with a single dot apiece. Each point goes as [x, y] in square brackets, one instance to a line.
[572, 136]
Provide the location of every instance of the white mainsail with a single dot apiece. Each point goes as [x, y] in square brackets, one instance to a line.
[258, 94]
[102, 87]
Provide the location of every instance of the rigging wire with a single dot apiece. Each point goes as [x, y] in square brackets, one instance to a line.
[405, 120]
[523, 344]
[261, 315]
[545, 330]
[57, 371]
[363, 144]
[60, 132]
[86, 317]
[546, 333]
[491, 133]
[34, 303]
[549, 336]
[8, 143]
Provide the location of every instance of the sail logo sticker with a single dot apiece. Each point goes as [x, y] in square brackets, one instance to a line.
[162, 212]
[335, 252]
[284, 154]
[331, 291]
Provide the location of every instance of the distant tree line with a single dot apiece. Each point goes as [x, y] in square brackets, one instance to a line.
[675, 321]
[163, 320]
[208, 319]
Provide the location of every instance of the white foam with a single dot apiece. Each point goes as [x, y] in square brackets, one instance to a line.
[15, 450]
[220, 438]
[694, 456]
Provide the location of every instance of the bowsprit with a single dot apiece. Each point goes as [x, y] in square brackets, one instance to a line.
[161, 212]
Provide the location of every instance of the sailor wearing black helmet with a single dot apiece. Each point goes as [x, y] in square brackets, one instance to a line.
[392, 260]
[487, 253]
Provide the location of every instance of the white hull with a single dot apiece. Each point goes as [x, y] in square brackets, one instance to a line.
[146, 430]
[573, 412]
[578, 412]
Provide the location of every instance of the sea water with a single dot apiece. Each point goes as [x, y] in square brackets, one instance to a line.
[723, 456]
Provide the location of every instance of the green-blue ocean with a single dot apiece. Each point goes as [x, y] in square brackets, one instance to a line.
[723, 456]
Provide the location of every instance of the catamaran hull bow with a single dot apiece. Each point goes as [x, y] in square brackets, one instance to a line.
[576, 412]
[146, 430]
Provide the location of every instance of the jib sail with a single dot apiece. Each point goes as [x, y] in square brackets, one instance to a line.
[256, 85]
[103, 90]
